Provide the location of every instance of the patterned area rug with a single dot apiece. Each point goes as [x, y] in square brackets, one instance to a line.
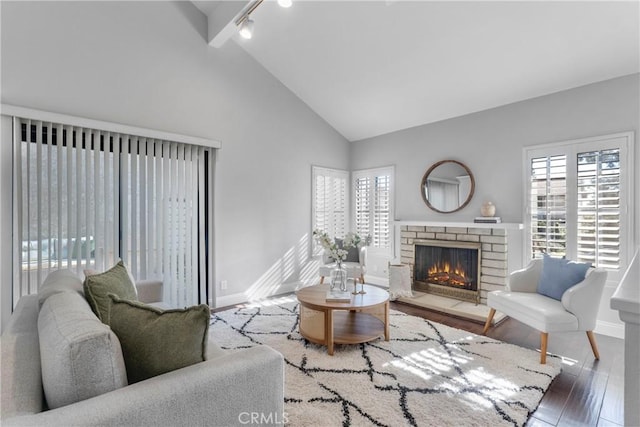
[428, 374]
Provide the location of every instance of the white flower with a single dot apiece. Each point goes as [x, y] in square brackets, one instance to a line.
[335, 252]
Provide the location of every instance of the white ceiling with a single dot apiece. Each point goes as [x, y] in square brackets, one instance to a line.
[374, 67]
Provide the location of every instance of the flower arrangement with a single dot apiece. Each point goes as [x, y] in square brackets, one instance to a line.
[333, 250]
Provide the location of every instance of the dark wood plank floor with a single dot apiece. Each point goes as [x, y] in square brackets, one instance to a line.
[587, 392]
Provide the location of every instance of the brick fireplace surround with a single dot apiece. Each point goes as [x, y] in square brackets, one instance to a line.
[500, 247]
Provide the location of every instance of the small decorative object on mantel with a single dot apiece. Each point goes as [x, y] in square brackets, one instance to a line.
[488, 209]
[487, 220]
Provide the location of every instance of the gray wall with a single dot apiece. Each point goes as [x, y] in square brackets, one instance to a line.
[491, 144]
[147, 64]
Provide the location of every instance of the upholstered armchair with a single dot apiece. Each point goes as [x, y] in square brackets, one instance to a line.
[576, 310]
[355, 264]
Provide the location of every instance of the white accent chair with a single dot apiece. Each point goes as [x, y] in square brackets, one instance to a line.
[577, 311]
[355, 270]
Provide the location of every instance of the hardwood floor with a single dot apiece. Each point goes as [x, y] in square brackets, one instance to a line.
[587, 392]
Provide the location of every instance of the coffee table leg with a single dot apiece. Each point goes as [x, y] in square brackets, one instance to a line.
[328, 331]
[386, 321]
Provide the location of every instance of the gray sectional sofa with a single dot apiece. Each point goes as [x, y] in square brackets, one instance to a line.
[220, 391]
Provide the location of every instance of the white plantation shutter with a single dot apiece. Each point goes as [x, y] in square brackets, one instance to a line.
[599, 208]
[330, 201]
[548, 205]
[581, 200]
[362, 204]
[85, 198]
[373, 205]
[381, 211]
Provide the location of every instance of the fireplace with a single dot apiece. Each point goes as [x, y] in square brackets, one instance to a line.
[449, 269]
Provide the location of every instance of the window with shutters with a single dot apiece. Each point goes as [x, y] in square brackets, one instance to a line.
[580, 200]
[330, 201]
[373, 206]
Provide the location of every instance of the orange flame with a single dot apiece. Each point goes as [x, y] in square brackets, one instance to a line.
[443, 268]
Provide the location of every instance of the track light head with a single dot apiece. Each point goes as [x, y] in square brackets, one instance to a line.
[246, 28]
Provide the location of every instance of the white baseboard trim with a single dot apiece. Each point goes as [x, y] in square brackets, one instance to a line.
[242, 297]
[615, 330]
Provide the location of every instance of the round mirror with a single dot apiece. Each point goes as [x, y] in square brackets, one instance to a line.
[447, 186]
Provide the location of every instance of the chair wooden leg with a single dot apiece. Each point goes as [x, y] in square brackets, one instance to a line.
[487, 325]
[594, 347]
[362, 279]
[321, 280]
[544, 337]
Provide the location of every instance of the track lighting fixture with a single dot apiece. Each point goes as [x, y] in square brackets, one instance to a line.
[245, 23]
[246, 28]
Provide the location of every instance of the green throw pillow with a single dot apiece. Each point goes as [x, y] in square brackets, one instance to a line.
[156, 341]
[115, 281]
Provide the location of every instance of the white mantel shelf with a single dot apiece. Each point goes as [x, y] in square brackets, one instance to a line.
[499, 225]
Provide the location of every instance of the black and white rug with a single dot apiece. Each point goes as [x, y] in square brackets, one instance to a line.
[428, 374]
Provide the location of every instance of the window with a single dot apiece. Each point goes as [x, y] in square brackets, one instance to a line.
[85, 198]
[373, 205]
[579, 197]
[330, 201]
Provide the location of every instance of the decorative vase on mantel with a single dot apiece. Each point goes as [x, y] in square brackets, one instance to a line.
[488, 209]
[339, 277]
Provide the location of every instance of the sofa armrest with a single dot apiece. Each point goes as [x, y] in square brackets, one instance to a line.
[222, 391]
[583, 299]
[526, 280]
[149, 290]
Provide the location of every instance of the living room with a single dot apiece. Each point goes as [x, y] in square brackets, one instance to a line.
[149, 65]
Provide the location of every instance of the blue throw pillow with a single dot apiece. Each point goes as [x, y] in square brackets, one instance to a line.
[559, 274]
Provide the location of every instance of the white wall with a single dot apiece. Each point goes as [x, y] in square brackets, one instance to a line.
[491, 144]
[148, 64]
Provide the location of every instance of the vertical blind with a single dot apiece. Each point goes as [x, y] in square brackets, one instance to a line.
[85, 198]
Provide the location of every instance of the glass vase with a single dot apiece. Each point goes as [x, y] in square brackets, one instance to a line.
[339, 277]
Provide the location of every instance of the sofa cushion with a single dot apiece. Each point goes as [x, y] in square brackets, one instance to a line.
[353, 253]
[59, 281]
[538, 311]
[558, 275]
[115, 281]
[80, 356]
[156, 341]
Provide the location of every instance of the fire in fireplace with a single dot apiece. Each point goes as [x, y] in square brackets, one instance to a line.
[443, 273]
[448, 268]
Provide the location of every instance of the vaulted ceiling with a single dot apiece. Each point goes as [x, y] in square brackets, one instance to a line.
[374, 67]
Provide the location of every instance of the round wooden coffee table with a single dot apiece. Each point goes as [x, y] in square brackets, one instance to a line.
[363, 319]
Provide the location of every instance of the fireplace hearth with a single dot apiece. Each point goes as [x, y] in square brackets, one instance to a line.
[450, 269]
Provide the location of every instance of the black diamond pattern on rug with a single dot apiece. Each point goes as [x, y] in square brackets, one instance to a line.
[427, 374]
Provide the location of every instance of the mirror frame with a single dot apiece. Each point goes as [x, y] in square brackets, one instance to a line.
[423, 183]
